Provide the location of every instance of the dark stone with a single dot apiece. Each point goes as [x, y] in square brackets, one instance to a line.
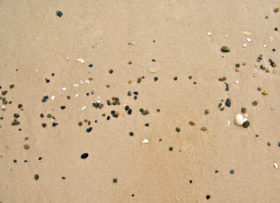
[59, 13]
[246, 124]
[84, 156]
[228, 102]
[89, 129]
[225, 49]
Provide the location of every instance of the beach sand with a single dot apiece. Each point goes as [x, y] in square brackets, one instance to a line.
[174, 48]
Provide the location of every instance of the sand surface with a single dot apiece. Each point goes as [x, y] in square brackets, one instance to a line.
[139, 39]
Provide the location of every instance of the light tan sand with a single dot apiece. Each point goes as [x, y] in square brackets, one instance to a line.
[109, 34]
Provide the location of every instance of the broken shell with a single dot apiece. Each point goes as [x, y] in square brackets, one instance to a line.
[239, 119]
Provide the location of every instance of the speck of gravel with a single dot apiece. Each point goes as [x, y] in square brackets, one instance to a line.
[131, 134]
[175, 78]
[111, 71]
[206, 111]
[89, 129]
[115, 180]
[243, 110]
[170, 149]
[192, 123]
[255, 103]
[84, 156]
[59, 13]
[26, 147]
[155, 78]
[246, 124]
[225, 49]
[178, 129]
[208, 196]
[228, 102]
[147, 124]
[231, 171]
[36, 177]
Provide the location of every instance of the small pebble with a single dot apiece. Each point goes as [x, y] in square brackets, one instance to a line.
[225, 49]
[36, 177]
[84, 156]
[59, 13]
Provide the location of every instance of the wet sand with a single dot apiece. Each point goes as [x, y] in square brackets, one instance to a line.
[55, 109]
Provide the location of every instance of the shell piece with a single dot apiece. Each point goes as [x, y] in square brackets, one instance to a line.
[239, 119]
[145, 141]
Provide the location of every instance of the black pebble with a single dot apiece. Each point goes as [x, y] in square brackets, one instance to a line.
[171, 149]
[246, 124]
[231, 171]
[62, 107]
[108, 118]
[15, 161]
[89, 129]
[126, 108]
[155, 78]
[59, 13]
[40, 158]
[36, 177]
[131, 133]
[20, 106]
[175, 78]
[129, 111]
[54, 124]
[227, 86]
[90, 65]
[207, 196]
[115, 180]
[147, 124]
[228, 102]
[178, 129]
[190, 181]
[84, 156]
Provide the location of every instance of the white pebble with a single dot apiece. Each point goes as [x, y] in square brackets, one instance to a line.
[244, 45]
[52, 98]
[265, 45]
[249, 39]
[275, 165]
[76, 85]
[209, 33]
[64, 88]
[87, 81]
[3, 107]
[236, 81]
[67, 57]
[228, 123]
[76, 95]
[81, 60]
[145, 141]
[239, 119]
[81, 82]
[83, 108]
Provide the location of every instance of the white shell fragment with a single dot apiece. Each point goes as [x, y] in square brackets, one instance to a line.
[64, 88]
[81, 60]
[145, 141]
[244, 45]
[52, 98]
[83, 108]
[209, 33]
[76, 95]
[249, 39]
[275, 165]
[239, 119]
[76, 85]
